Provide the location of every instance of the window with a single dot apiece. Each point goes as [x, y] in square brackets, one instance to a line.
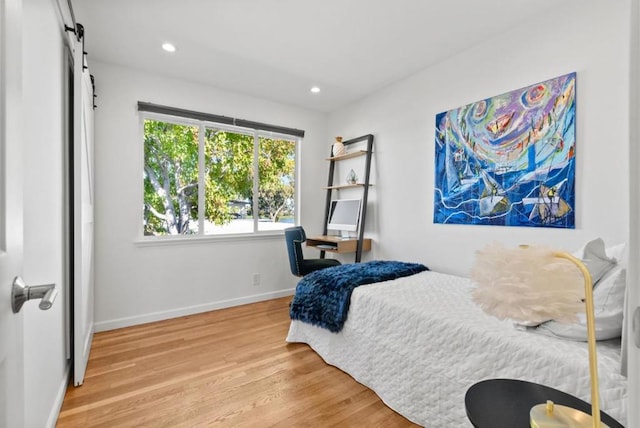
[206, 178]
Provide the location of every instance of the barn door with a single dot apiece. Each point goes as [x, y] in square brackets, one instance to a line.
[82, 217]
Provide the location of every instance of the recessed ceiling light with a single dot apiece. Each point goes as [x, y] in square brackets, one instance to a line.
[315, 89]
[168, 47]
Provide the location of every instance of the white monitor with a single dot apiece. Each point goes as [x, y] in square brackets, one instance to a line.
[344, 215]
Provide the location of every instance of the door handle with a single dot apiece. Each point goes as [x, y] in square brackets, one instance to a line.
[20, 293]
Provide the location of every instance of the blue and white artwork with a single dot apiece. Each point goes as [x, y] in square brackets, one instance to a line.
[509, 160]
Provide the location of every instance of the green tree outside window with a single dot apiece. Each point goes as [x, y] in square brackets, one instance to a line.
[171, 179]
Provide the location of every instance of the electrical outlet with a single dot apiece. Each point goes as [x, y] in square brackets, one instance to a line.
[256, 279]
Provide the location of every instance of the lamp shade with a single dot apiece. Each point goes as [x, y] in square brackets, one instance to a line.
[528, 284]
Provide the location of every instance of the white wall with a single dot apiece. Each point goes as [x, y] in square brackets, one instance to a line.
[592, 40]
[136, 283]
[46, 366]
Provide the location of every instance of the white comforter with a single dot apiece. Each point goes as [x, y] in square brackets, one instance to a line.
[420, 342]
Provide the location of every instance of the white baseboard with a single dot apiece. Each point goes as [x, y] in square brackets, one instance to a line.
[190, 310]
[57, 404]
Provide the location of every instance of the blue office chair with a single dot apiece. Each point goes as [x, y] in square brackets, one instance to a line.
[300, 266]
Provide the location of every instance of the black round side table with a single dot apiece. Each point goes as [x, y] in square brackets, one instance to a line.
[505, 403]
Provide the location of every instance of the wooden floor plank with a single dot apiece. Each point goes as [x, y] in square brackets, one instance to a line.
[226, 368]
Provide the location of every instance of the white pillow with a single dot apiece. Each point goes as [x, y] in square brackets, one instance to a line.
[608, 302]
[617, 252]
[595, 258]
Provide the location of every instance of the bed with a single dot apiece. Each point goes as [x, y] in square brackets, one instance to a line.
[419, 342]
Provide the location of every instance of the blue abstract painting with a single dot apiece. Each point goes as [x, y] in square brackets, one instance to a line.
[509, 160]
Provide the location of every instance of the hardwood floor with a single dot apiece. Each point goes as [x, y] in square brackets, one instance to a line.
[225, 368]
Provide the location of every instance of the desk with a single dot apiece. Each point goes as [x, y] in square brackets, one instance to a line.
[335, 244]
[505, 403]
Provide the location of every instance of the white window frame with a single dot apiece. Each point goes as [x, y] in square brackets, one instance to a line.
[144, 240]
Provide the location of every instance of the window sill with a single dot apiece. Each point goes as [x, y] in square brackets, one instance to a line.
[154, 241]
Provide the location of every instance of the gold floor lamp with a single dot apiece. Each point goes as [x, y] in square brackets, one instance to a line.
[532, 285]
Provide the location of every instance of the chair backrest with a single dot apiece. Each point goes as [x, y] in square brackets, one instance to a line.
[295, 236]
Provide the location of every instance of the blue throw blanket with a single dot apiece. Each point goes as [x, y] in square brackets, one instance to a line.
[322, 297]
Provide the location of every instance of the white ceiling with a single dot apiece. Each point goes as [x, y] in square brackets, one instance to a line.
[278, 49]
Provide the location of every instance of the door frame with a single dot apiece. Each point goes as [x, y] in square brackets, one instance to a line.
[633, 290]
